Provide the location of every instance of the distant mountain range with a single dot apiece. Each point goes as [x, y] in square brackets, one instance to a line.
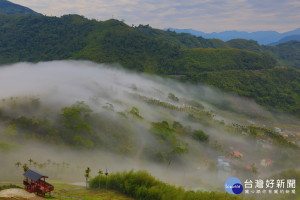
[286, 39]
[9, 8]
[262, 37]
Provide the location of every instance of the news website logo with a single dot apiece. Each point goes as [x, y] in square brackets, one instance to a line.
[233, 186]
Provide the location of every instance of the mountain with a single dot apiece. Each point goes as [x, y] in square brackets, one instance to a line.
[262, 37]
[195, 59]
[9, 8]
[288, 54]
[73, 36]
[286, 39]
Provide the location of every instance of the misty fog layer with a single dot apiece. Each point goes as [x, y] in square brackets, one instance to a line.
[136, 121]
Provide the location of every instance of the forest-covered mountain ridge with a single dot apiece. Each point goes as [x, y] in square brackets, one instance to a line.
[142, 48]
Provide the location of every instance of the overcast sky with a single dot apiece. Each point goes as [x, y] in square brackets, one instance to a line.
[203, 15]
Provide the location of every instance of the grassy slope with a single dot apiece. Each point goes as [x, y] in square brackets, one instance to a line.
[67, 190]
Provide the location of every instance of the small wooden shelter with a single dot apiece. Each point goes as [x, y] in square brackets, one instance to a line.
[35, 182]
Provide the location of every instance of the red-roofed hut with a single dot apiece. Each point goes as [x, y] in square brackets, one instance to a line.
[35, 182]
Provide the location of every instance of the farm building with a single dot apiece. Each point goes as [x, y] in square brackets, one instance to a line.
[35, 182]
[237, 154]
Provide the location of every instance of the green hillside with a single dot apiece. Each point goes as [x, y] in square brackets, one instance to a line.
[194, 61]
[142, 48]
[75, 37]
[9, 8]
[183, 40]
[288, 53]
[259, 85]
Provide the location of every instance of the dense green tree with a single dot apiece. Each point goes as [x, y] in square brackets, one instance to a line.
[200, 136]
[25, 167]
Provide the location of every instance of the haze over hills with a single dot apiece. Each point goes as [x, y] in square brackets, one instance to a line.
[97, 115]
[191, 111]
[9, 8]
[144, 49]
[262, 37]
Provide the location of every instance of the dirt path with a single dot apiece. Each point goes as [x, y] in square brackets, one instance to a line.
[63, 196]
[19, 194]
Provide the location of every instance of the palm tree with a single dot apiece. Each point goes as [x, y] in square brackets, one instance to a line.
[18, 164]
[87, 175]
[64, 164]
[41, 165]
[30, 161]
[25, 167]
[100, 172]
[106, 174]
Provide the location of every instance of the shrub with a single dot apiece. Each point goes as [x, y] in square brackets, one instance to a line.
[142, 186]
[200, 136]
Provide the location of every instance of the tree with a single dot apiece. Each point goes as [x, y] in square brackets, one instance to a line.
[254, 168]
[75, 117]
[106, 174]
[35, 163]
[25, 167]
[135, 111]
[200, 136]
[100, 172]
[30, 161]
[75, 125]
[173, 97]
[87, 175]
[41, 165]
[177, 125]
[18, 164]
[11, 131]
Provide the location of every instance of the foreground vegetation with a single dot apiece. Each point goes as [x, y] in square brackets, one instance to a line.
[290, 174]
[142, 186]
[67, 191]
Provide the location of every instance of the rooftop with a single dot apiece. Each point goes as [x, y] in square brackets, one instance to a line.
[33, 175]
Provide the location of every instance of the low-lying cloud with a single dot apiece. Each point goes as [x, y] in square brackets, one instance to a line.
[62, 83]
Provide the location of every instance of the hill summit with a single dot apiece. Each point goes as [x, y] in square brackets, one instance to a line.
[9, 8]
